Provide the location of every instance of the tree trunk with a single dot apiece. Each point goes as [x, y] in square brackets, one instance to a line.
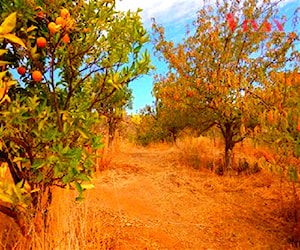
[229, 144]
[228, 156]
[111, 132]
[13, 168]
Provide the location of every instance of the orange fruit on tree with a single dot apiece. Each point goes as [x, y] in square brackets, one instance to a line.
[298, 126]
[64, 13]
[60, 21]
[52, 27]
[270, 116]
[86, 30]
[37, 76]
[66, 38]
[21, 71]
[41, 42]
[40, 14]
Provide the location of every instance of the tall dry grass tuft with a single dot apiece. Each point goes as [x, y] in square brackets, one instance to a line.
[69, 225]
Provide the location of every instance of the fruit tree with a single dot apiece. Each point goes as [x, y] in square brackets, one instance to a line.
[48, 118]
[221, 68]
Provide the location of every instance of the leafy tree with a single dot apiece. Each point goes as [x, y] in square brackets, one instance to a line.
[113, 109]
[220, 68]
[50, 122]
[281, 120]
[162, 123]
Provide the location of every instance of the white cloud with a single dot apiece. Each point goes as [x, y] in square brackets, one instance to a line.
[164, 11]
[167, 11]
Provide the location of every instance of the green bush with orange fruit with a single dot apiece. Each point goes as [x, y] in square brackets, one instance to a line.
[48, 118]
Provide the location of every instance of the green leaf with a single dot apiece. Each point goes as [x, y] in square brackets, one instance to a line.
[84, 133]
[39, 177]
[293, 174]
[9, 23]
[79, 199]
[65, 179]
[83, 177]
[38, 164]
[79, 188]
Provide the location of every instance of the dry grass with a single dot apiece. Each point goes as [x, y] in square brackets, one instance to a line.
[200, 152]
[204, 152]
[147, 198]
[69, 226]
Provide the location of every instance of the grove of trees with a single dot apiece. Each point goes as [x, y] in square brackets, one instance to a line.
[237, 70]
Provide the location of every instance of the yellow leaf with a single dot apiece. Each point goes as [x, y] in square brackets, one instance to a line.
[17, 159]
[11, 83]
[5, 198]
[27, 186]
[31, 28]
[9, 24]
[22, 205]
[2, 51]
[2, 93]
[3, 169]
[33, 51]
[3, 63]
[2, 74]
[14, 39]
[87, 186]
[35, 190]
[6, 98]
[242, 129]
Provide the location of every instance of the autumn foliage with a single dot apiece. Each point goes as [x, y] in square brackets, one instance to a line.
[223, 70]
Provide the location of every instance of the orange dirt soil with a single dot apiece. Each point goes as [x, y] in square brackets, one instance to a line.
[145, 199]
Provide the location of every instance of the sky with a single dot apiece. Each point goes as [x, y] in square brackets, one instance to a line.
[174, 16]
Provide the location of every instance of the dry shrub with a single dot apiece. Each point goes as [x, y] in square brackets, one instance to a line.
[200, 152]
[106, 154]
[103, 159]
[209, 153]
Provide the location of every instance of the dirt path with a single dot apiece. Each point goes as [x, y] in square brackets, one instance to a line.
[154, 203]
[146, 200]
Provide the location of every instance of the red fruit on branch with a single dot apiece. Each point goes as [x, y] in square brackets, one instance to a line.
[270, 116]
[254, 25]
[66, 38]
[268, 26]
[279, 26]
[231, 21]
[41, 42]
[37, 76]
[229, 16]
[21, 71]
[245, 26]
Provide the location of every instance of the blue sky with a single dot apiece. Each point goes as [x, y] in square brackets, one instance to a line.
[174, 16]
